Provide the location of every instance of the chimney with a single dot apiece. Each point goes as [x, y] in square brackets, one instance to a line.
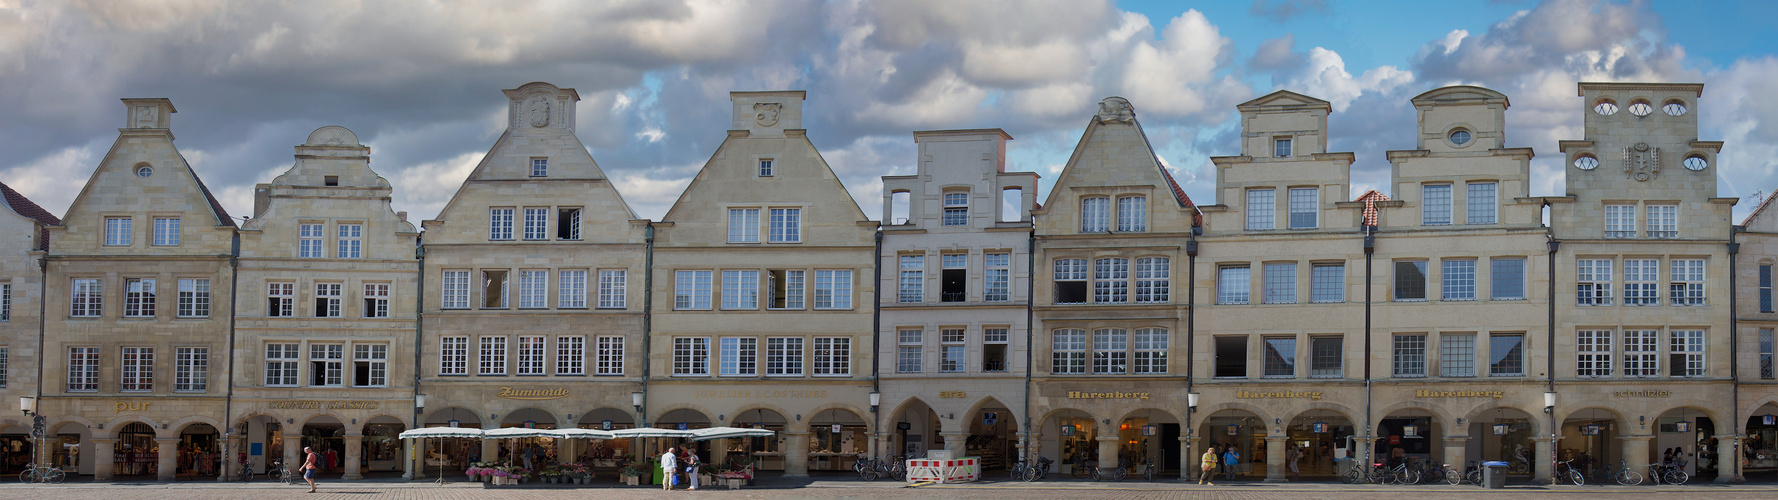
[401, 215]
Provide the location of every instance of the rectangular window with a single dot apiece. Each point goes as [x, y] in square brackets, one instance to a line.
[492, 359]
[765, 167]
[787, 225]
[568, 223]
[87, 299]
[1641, 282]
[1642, 353]
[1111, 280]
[453, 356]
[191, 369]
[571, 289]
[1132, 214]
[786, 287]
[1068, 352]
[455, 290]
[910, 350]
[327, 365]
[1410, 280]
[1458, 277]
[1231, 357]
[166, 231]
[376, 300]
[1435, 204]
[500, 223]
[956, 209]
[309, 240]
[1410, 355]
[138, 369]
[83, 369]
[994, 342]
[1765, 354]
[329, 300]
[117, 231]
[743, 225]
[494, 289]
[280, 364]
[539, 167]
[1593, 282]
[691, 289]
[784, 356]
[536, 223]
[138, 298]
[1506, 355]
[912, 287]
[5, 301]
[998, 278]
[611, 355]
[691, 356]
[1685, 355]
[1305, 208]
[1686, 282]
[531, 354]
[1483, 203]
[951, 357]
[351, 242]
[370, 365]
[1663, 221]
[1508, 282]
[1456, 354]
[1095, 215]
[1153, 279]
[1327, 283]
[1280, 283]
[1151, 351]
[1280, 361]
[833, 356]
[1281, 147]
[1110, 346]
[1593, 351]
[533, 289]
[1071, 281]
[194, 298]
[1327, 357]
[1765, 288]
[1620, 221]
[614, 288]
[1261, 204]
[1232, 285]
[833, 289]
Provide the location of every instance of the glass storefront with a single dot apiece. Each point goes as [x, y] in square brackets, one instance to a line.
[382, 447]
[1079, 441]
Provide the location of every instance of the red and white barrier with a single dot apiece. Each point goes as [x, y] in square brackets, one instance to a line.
[944, 471]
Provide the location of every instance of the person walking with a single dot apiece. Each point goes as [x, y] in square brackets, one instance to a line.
[691, 468]
[669, 465]
[1291, 456]
[1230, 462]
[309, 466]
[1208, 464]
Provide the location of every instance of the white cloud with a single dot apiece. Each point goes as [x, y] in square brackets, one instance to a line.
[1177, 75]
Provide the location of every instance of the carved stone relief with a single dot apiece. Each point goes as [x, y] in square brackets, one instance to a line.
[537, 109]
[766, 113]
[1642, 162]
[1116, 110]
[145, 117]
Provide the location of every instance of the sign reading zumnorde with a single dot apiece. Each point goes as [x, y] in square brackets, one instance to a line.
[532, 394]
[1423, 393]
[1315, 395]
[1107, 395]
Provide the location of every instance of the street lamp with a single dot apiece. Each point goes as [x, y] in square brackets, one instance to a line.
[1191, 407]
[1549, 407]
[875, 399]
[28, 405]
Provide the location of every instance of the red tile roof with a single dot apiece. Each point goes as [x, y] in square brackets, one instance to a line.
[25, 207]
[1179, 195]
[1370, 199]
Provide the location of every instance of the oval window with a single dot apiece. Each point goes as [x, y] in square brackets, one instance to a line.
[1586, 162]
[144, 171]
[1460, 137]
[1674, 108]
[1640, 108]
[1605, 107]
[1696, 162]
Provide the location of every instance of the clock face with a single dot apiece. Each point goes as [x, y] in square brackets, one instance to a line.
[1696, 163]
[1641, 109]
[1606, 108]
[1586, 163]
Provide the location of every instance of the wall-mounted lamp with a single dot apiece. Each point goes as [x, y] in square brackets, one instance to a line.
[1191, 401]
[354, 421]
[1549, 402]
[420, 402]
[28, 405]
[492, 418]
[636, 400]
[799, 417]
[163, 426]
[1277, 421]
[570, 416]
[721, 417]
[1107, 421]
[1459, 421]
[875, 399]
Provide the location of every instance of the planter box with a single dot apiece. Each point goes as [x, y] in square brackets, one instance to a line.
[632, 480]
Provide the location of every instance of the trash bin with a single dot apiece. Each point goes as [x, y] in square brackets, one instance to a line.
[1494, 474]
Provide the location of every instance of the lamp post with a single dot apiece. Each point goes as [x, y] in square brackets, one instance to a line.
[1549, 407]
[1191, 409]
[28, 405]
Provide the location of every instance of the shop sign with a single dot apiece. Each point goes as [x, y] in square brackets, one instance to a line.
[1502, 429]
[836, 428]
[952, 394]
[128, 406]
[905, 426]
[1641, 394]
[990, 418]
[1394, 439]
[1315, 395]
[1682, 426]
[1590, 429]
[683, 426]
[1423, 393]
[605, 425]
[1234, 430]
[1770, 420]
[321, 405]
[1149, 430]
[1410, 431]
[532, 394]
[456, 423]
[760, 394]
[1319, 427]
[1067, 430]
[1107, 395]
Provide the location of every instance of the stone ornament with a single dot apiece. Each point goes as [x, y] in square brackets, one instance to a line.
[332, 135]
[537, 108]
[766, 113]
[1642, 162]
[1116, 110]
[145, 116]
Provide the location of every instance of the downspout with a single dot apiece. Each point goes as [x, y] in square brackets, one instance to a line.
[42, 326]
[1030, 301]
[1734, 360]
[1550, 354]
[419, 323]
[1370, 248]
[876, 334]
[1191, 342]
[647, 315]
[228, 400]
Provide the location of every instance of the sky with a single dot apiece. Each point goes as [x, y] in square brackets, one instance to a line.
[419, 81]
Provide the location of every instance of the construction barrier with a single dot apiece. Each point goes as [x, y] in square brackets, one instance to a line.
[944, 471]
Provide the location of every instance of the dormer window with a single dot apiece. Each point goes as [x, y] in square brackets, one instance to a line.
[956, 209]
[765, 167]
[1281, 147]
[540, 167]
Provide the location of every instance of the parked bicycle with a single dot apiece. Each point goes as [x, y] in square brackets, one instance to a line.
[1565, 469]
[1148, 469]
[1673, 473]
[1122, 471]
[42, 474]
[1443, 473]
[1625, 476]
[1036, 472]
[276, 471]
[246, 472]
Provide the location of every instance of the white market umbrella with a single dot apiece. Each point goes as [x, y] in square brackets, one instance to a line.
[441, 432]
[577, 433]
[651, 433]
[516, 432]
[729, 432]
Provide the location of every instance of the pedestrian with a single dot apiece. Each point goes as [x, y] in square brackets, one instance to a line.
[1231, 461]
[669, 465]
[1291, 456]
[1208, 464]
[529, 455]
[691, 468]
[309, 466]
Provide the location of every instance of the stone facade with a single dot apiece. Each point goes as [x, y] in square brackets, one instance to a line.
[21, 293]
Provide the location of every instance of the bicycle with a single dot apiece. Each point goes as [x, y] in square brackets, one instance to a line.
[42, 474]
[1625, 476]
[1446, 473]
[1473, 473]
[246, 472]
[276, 471]
[866, 468]
[1038, 471]
[1564, 469]
[1123, 470]
[894, 467]
[1673, 473]
[1092, 470]
[1081, 466]
[1148, 469]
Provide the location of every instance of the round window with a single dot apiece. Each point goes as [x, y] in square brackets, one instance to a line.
[1605, 107]
[1674, 108]
[1460, 137]
[1586, 162]
[1696, 162]
[144, 171]
[1641, 108]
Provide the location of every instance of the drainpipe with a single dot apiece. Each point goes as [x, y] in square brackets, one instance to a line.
[647, 315]
[876, 334]
[228, 401]
[1191, 342]
[1030, 301]
[1550, 353]
[1735, 419]
[42, 325]
[419, 327]
[1370, 248]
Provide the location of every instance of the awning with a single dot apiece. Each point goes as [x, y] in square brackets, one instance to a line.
[728, 432]
[441, 432]
[577, 433]
[651, 433]
[516, 432]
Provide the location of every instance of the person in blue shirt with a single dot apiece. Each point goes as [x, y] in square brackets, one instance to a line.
[1229, 461]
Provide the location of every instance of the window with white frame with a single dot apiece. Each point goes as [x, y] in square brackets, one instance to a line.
[571, 289]
[1261, 205]
[1305, 208]
[743, 225]
[1327, 356]
[4, 365]
[533, 289]
[494, 288]
[1327, 283]
[1410, 355]
[1663, 221]
[956, 209]
[1593, 353]
[785, 288]
[351, 242]
[568, 223]
[1508, 278]
[784, 356]
[1765, 355]
[691, 289]
[1593, 282]
[998, 277]
[1685, 355]
[613, 288]
[87, 298]
[1280, 357]
[532, 350]
[1071, 281]
[1410, 280]
[1111, 280]
[765, 167]
[1110, 346]
[737, 356]
[5, 301]
[500, 223]
[1232, 284]
[309, 239]
[1641, 282]
[328, 300]
[138, 298]
[1132, 214]
[994, 342]
[455, 290]
[1506, 355]
[1153, 279]
[740, 289]
[194, 298]
[1642, 353]
[833, 356]
[610, 359]
[166, 231]
[691, 356]
[536, 223]
[117, 231]
[1435, 204]
[376, 300]
[1765, 288]
[453, 356]
[1620, 221]
[1095, 214]
[539, 167]
[492, 358]
[787, 225]
[1458, 277]
[83, 369]
[327, 365]
[1281, 147]
[1483, 203]
[1151, 351]
[1280, 283]
[833, 289]
[280, 364]
[138, 369]
[370, 365]
[909, 350]
[1456, 354]
[951, 358]
[1068, 352]
[1686, 282]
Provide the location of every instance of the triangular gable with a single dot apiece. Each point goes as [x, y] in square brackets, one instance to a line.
[704, 172]
[1761, 221]
[1370, 199]
[1283, 99]
[1117, 109]
[148, 128]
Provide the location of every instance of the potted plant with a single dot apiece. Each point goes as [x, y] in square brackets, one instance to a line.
[632, 473]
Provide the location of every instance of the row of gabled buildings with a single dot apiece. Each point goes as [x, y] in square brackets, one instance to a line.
[1460, 319]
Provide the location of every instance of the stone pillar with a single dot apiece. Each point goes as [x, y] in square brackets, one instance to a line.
[1636, 452]
[407, 459]
[954, 442]
[104, 451]
[1275, 459]
[293, 453]
[354, 457]
[874, 448]
[796, 452]
[1108, 454]
[1455, 448]
[1540, 461]
[1188, 465]
[168, 457]
[491, 450]
[1728, 460]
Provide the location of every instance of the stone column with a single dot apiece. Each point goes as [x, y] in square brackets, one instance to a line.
[491, 450]
[1275, 459]
[1636, 452]
[1540, 461]
[168, 457]
[954, 442]
[354, 457]
[293, 453]
[1455, 448]
[1188, 463]
[796, 452]
[1108, 454]
[104, 451]
[1728, 461]
[874, 448]
[407, 459]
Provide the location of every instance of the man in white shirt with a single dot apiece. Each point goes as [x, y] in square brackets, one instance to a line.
[669, 462]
